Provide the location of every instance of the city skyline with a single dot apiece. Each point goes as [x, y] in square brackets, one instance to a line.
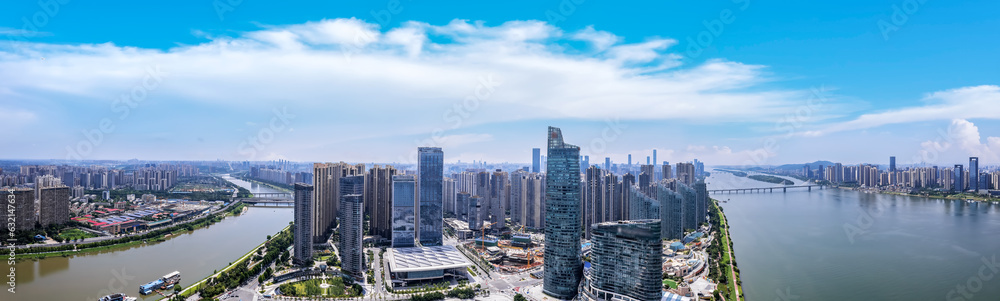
[275, 81]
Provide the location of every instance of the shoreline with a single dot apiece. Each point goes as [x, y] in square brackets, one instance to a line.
[733, 284]
[179, 229]
[982, 200]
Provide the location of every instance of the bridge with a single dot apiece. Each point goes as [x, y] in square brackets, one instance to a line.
[762, 189]
[270, 199]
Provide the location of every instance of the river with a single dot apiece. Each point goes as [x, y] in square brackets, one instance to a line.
[195, 254]
[835, 244]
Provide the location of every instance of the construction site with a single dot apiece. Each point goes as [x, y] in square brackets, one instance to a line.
[520, 253]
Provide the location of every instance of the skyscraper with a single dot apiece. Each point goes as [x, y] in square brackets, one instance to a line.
[430, 178]
[378, 200]
[892, 163]
[672, 207]
[627, 260]
[403, 211]
[686, 173]
[974, 174]
[562, 218]
[535, 160]
[959, 176]
[302, 233]
[667, 172]
[351, 224]
[476, 212]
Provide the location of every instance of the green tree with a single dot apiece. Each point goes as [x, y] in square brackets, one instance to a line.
[520, 297]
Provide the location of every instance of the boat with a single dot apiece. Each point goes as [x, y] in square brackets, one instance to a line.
[166, 282]
[117, 297]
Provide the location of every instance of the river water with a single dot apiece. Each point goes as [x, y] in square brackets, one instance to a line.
[834, 244]
[195, 254]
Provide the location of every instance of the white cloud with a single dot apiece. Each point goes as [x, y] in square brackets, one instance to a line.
[962, 103]
[964, 135]
[600, 40]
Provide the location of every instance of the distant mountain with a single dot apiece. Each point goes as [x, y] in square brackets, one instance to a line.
[813, 165]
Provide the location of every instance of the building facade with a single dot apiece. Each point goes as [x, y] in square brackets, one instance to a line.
[378, 200]
[404, 216]
[430, 173]
[563, 265]
[302, 232]
[352, 224]
[626, 261]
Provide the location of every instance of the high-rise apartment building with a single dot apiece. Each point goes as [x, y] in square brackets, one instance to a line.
[626, 261]
[302, 232]
[477, 212]
[53, 205]
[378, 200]
[562, 218]
[351, 224]
[23, 208]
[430, 196]
[326, 196]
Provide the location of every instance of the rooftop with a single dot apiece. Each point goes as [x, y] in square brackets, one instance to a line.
[419, 259]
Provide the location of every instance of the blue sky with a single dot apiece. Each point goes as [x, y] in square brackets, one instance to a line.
[371, 81]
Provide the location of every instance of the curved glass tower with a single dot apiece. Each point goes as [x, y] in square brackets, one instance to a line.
[563, 266]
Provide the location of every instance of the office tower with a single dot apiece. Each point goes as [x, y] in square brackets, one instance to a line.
[629, 160]
[326, 196]
[701, 202]
[378, 200]
[24, 208]
[585, 163]
[654, 157]
[462, 205]
[302, 233]
[351, 225]
[430, 177]
[476, 213]
[974, 174]
[535, 160]
[647, 160]
[667, 172]
[53, 205]
[958, 177]
[607, 162]
[626, 261]
[562, 218]
[699, 170]
[404, 196]
[892, 163]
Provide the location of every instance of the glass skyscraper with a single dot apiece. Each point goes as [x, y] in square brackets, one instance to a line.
[430, 181]
[974, 174]
[536, 159]
[403, 212]
[627, 261]
[563, 266]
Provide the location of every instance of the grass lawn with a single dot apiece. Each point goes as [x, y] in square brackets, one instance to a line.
[70, 234]
[671, 283]
[311, 288]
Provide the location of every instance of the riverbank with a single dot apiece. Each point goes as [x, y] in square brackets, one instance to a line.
[280, 240]
[153, 236]
[961, 197]
[285, 188]
[725, 272]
